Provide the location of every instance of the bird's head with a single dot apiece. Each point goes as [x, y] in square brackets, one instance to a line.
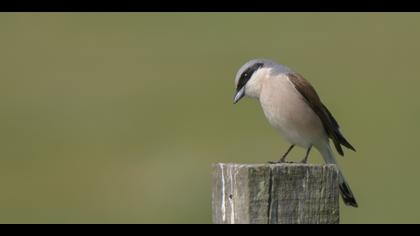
[251, 76]
[247, 80]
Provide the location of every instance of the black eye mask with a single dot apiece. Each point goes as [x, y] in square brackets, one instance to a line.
[247, 74]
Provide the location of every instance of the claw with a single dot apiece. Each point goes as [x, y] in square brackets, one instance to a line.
[275, 162]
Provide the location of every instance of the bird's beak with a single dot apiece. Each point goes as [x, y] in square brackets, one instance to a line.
[240, 94]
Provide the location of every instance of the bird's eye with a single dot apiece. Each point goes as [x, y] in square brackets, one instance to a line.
[246, 75]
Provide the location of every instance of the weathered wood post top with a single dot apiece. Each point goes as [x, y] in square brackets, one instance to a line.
[275, 194]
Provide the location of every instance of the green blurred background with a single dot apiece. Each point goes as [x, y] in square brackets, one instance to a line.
[117, 118]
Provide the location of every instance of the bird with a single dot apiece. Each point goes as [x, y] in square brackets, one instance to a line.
[293, 107]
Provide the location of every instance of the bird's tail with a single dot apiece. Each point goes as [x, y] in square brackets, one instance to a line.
[345, 190]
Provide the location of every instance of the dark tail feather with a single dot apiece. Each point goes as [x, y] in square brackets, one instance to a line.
[344, 142]
[338, 137]
[338, 147]
[347, 195]
[345, 191]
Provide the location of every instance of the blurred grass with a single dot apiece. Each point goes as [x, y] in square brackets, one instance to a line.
[109, 117]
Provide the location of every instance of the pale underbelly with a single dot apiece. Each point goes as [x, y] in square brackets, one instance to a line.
[292, 117]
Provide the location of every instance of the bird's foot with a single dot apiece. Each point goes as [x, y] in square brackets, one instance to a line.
[281, 161]
[305, 159]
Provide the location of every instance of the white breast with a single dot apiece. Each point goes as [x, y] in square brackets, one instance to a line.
[287, 111]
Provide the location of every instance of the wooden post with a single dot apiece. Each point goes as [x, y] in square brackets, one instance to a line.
[275, 194]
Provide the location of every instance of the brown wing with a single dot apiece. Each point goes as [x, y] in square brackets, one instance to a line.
[312, 99]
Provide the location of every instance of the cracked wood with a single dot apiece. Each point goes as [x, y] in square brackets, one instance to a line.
[275, 194]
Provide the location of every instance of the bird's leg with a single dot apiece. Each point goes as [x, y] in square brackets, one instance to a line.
[305, 159]
[283, 159]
